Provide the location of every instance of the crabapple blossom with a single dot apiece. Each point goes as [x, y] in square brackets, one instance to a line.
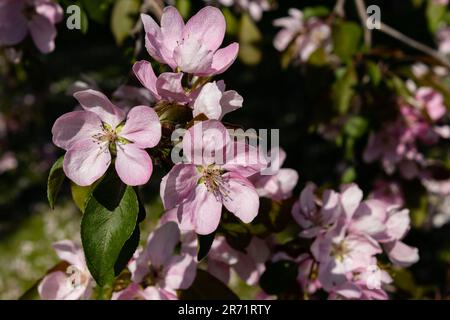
[345, 246]
[156, 271]
[37, 17]
[315, 216]
[388, 191]
[101, 131]
[192, 47]
[8, 161]
[215, 175]
[306, 35]
[443, 39]
[396, 145]
[255, 8]
[249, 266]
[277, 186]
[73, 284]
[388, 225]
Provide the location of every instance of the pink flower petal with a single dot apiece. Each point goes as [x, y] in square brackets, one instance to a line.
[178, 184]
[401, 254]
[71, 253]
[180, 272]
[74, 126]
[208, 102]
[208, 26]
[201, 211]
[145, 74]
[133, 165]
[142, 127]
[86, 161]
[14, 25]
[50, 10]
[191, 56]
[99, 104]
[43, 33]
[55, 286]
[172, 25]
[242, 199]
[161, 244]
[154, 41]
[205, 143]
[170, 88]
[224, 58]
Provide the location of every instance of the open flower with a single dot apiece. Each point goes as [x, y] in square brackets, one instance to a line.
[93, 136]
[157, 272]
[192, 48]
[306, 35]
[315, 216]
[38, 17]
[73, 284]
[215, 175]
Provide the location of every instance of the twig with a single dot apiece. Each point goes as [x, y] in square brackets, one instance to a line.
[414, 44]
[339, 8]
[362, 13]
[399, 36]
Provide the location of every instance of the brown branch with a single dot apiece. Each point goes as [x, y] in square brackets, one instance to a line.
[362, 13]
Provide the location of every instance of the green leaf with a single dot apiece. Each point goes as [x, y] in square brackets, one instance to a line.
[184, 7]
[207, 287]
[346, 39]
[97, 10]
[319, 11]
[343, 88]
[349, 175]
[109, 221]
[204, 245]
[123, 18]
[374, 72]
[435, 14]
[232, 22]
[356, 126]
[55, 180]
[249, 36]
[81, 195]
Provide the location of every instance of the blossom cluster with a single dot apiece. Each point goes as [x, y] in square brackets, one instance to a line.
[348, 235]
[222, 175]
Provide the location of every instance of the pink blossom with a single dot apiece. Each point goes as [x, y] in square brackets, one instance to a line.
[37, 17]
[388, 225]
[254, 7]
[313, 215]
[76, 283]
[306, 35]
[93, 136]
[214, 102]
[157, 272]
[443, 39]
[201, 186]
[191, 48]
[8, 162]
[394, 146]
[166, 87]
[279, 184]
[249, 266]
[388, 191]
[340, 253]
